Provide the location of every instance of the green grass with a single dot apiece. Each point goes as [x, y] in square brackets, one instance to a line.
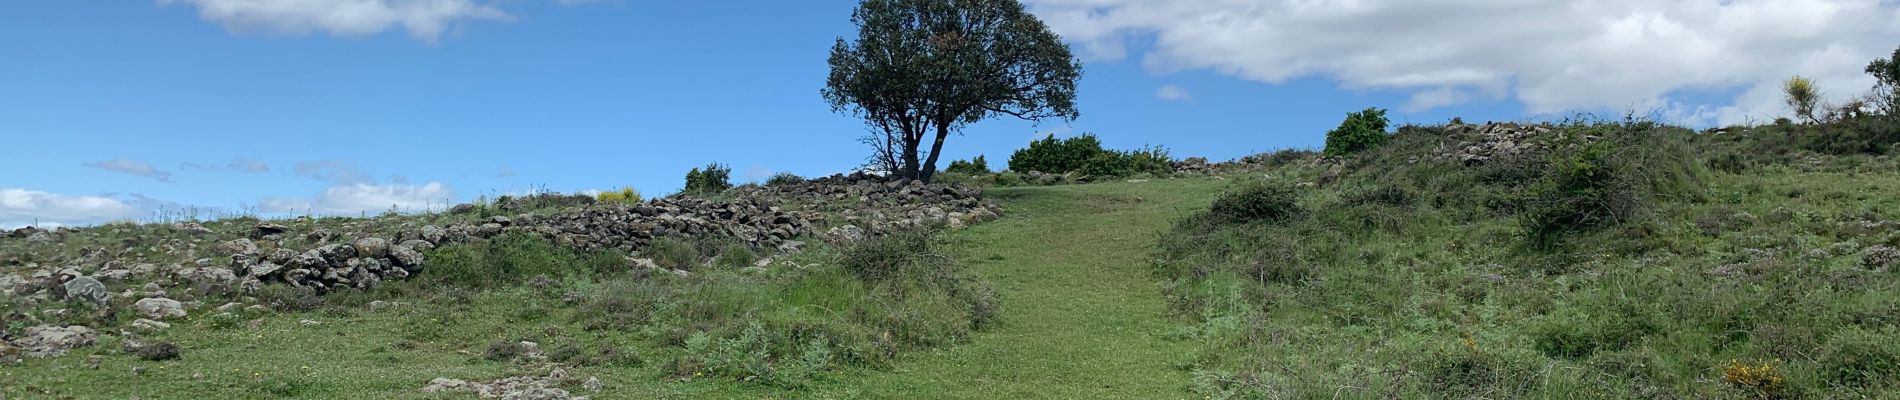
[1080, 317]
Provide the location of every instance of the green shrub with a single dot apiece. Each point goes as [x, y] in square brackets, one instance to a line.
[1361, 130]
[975, 166]
[1056, 156]
[714, 178]
[1260, 201]
[510, 259]
[1860, 358]
[160, 351]
[882, 258]
[626, 194]
[784, 178]
[673, 253]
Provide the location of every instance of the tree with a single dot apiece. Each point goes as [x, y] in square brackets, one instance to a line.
[1800, 95]
[1886, 72]
[714, 178]
[1361, 130]
[922, 69]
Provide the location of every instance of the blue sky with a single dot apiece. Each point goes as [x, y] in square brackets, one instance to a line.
[207, 103]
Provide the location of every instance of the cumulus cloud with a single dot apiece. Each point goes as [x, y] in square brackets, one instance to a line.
[22, 207]
[424, 20]
[139, 168]
[1172, 93]
[240, 164]
[359, 198]
[1552, 56]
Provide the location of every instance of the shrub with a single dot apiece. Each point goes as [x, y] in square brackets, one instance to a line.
[672, 253]
[1361, 130]
[512, 258]
[1052, 155]
[1886, 73]
[882, 258]
[784, 178]
[160, 351]
[1860, 358]
[626, 194]
[714, 178]
[1801, 96]
[975, 166]
[1262, 201]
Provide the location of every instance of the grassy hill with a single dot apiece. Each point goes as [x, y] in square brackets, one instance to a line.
[1605, 259]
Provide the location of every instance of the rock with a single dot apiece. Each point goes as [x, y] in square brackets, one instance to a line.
[207, 276]
[846, 233]
[160, 308]
[264, 230]
[371, 247]
[306, 322]
[263, 269]
[150, 325]
[228, 307]
[113, 275]
[501, 220]
[8, 353]
[238, 247]
[87, 289]
[52, 341]
[42, 237]
[592, 384]
[1881, 258]
[446, 385]
[462, 208]
[642, 263]
[406, 257]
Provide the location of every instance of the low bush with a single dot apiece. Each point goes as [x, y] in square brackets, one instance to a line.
[714, 178]
[1260, 201]
[626, 194]
[1360, 131]
[975, 166]
[784, 178]
[512, 258]
[1084, 154]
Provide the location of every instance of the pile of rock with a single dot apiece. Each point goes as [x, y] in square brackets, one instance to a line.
[873, 205]
[1479, 144]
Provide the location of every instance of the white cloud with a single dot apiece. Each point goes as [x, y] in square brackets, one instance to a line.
[21, 207]
[333, 171]
[424, 20]
[1551, 55]
[1172, 93]
[359, 198]
[240, 164]
[132, 167]
[758, 173]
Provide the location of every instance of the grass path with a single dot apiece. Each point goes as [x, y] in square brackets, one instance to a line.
[1082, 317]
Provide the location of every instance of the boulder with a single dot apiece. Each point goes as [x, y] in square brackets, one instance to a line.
[160, 308]
[371, 247]
[264, 230]
[53, 341]
[405, 257]
[87, 289]
[238, 247]
[150, 325]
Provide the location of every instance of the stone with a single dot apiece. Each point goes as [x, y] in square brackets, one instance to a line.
[592, 384]
[264, 230]
[150, 325]
[207, 276]
[405, 257]
[53, 341]
[263, 269]
[231, 306]
[371, 247]
[87, 289]
[160, 308]
[239, 246]
[8, 353]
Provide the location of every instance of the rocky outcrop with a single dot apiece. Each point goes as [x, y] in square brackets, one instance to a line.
[53, 341]
[1479, 144]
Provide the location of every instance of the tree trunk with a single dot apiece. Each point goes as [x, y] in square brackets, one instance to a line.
[911, 140]
[936, 149]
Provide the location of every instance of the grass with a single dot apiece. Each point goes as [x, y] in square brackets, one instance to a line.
[1416, 279]
[1082, 318]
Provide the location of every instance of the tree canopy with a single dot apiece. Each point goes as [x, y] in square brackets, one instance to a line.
[922, 69]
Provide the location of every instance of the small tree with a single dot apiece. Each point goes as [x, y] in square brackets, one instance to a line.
[1800, 95]
[1361, 130]
[1886, 72]
[714, 178]
[921, 69]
